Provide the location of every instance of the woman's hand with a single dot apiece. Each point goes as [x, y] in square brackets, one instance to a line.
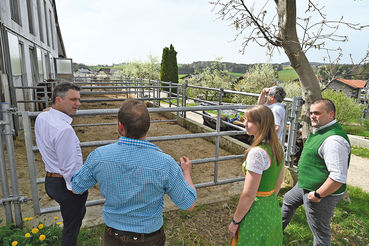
[232, 228]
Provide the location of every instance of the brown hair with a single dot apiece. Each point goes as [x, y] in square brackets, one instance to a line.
[135, 118]
[61, 90]
[328, 104]
[263, 118]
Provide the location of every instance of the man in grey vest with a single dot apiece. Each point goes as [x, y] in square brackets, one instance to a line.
[322, 172]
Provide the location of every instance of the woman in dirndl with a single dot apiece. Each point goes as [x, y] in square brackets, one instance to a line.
[257, 219]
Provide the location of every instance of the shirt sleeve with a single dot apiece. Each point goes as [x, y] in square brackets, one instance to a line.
[335, 151]
[84, 178]
[278, 115]
[68, 153]
[257, 160]
[179, 191]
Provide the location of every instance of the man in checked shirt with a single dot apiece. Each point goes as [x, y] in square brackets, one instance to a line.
[133, 175]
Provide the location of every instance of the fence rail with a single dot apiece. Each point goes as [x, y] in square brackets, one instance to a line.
[174, 94]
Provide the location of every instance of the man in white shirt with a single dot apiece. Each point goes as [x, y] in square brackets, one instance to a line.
[61, 152]
[322, 172]
[274, 97]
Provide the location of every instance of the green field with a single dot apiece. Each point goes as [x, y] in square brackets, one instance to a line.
[287, 74]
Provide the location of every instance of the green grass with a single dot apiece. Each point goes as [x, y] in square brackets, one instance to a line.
[350, 224]
[360, 151]
[207, 225]
[237, 75]
[356, 130]
[287, 75]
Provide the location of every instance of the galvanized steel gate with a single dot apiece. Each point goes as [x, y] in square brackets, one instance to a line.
[154, 91]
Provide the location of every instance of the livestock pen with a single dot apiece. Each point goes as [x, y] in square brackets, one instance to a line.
[216, 163]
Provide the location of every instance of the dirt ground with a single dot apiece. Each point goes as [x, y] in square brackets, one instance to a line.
[212, 222]
[193, 148]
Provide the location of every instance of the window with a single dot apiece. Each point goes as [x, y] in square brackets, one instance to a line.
[1, 55]
[47, 24]
[15, 58]
[30, 17]
[41, 30]
[33, 59]
[14, 10]
[40, 64]
[52, 30]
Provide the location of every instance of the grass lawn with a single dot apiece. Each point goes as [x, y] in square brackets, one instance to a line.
[208, 225]
[287, 75]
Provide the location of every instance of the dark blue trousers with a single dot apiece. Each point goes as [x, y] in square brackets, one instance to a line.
[72, 208]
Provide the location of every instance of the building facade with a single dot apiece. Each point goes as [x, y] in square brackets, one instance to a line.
[31, 48]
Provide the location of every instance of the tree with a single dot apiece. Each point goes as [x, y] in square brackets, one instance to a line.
[342, 103]
[279, 30]
[144, 70]
[169, 66]
[259, 77]
[213, 76]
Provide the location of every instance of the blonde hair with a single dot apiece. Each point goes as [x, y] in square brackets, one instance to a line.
[263, 118]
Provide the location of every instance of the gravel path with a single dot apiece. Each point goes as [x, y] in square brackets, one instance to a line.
[358, 173]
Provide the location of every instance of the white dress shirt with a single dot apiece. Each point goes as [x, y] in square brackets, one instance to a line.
[278, 113]
[58, 144]
[335, 151]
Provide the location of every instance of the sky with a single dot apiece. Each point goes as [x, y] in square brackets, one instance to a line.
[115, 31]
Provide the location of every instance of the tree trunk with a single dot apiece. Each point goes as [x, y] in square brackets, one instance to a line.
[299, 62]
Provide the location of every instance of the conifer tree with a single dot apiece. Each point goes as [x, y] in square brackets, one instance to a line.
[169, 67]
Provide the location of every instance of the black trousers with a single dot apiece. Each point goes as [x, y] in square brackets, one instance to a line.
[113, 237]
[72, 208]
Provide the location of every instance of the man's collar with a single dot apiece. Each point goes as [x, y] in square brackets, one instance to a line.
[325, 126]
[61, 115]
[138, 143]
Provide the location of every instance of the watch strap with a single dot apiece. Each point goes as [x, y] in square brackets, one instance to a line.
[317, 195]
[235, 222]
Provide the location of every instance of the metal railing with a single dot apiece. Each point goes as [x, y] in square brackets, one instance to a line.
[176, 97]
[31, 149]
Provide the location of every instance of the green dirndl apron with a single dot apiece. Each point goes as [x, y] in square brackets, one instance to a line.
[262, 225]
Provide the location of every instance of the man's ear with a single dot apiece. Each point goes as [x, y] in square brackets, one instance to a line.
[121, 129]
[57, 100]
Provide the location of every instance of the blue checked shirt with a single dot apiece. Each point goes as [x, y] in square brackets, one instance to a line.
[133, 176]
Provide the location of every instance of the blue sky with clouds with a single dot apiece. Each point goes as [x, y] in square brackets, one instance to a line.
[114, 31]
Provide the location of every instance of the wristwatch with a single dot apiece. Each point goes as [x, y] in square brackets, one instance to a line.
[317, 195]
[235, 222]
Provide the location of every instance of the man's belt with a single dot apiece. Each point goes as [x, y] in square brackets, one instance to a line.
[54, 175]
[133, 235]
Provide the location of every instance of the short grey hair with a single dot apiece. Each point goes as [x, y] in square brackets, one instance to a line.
[278, 93]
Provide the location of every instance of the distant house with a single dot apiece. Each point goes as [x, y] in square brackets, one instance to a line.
[241, 78]
[103, 73]
[83, 72]
[351, 88]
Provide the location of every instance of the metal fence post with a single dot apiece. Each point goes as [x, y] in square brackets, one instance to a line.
[158, 92]
[177, 104]
[184, 97]
[291, 150]
[8, 132]
[28, 139]
[170, 94]
[220, 96]
[217, 141]
[4, 179]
